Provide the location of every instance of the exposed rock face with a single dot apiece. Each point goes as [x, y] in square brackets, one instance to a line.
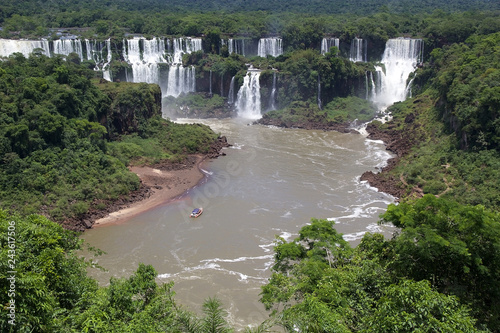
[216, 147]
[400, 144]
[130, 105]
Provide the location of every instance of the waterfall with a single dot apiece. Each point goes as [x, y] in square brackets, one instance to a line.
[106, 74]
[373, 92]
[184, 45]
[248, 99]
[327, 43]
[144, 60]
[26, 47]
[94, 51]
[272, 97]
[358, 50]
[222, 86]
[400, 59]
[236, 46]
[367, 88]
[270, 46]
[319, 92]
[67, 46]
[210, 83]
[145, 57]
[181, 80]
[230, 96]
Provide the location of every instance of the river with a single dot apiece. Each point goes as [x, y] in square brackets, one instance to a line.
[271, 183]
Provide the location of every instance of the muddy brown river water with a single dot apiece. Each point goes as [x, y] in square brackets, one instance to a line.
[271, 183]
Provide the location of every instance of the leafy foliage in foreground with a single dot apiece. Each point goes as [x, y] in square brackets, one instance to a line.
[437, 274]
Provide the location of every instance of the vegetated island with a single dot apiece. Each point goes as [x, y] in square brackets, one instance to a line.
[70, 142]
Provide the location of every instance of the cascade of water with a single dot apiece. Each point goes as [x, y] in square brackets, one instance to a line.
[222, 86]
[184, 45]
[144, 60]
[180, 80]
[248, 99]
[236, 46]
[210, 83]
[270, 46]
[272, 97]
[400, 58]
[67, 46]
[327, 43]
[9, 46]
[358, 50]
[319, 92]
[94, 51]
[230, 95]
[367, 88]
[373, 88]
[106, 74]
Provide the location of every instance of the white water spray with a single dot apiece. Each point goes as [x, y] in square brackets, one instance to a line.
[248, 100]
[272, 96]
[400, 59]
[358, 50]
[230, 96]
[26, 47]
[270, 46]
[327, 43]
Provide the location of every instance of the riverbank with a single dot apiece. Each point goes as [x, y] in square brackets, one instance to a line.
[160, 183]
[165, 182]
[397, 142]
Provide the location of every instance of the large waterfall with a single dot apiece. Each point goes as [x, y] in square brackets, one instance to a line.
[358, 50]
[145, 57]
[67, 46]
[10, 46]
[248, 100]
[400, 59]
[327, 43]
[144, 64]
[234, 45]
[184, 45]
[270, 46]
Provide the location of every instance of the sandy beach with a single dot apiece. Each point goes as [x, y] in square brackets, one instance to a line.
[166, 184]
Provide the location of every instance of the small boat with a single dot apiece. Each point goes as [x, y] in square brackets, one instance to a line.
[196, 212]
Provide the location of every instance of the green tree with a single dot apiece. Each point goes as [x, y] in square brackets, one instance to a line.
[50, 278]
[455, 247]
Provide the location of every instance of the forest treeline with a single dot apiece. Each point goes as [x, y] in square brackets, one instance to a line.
[300, 28]
[361, 7]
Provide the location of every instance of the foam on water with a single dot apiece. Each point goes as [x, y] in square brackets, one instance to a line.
[240, 259]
